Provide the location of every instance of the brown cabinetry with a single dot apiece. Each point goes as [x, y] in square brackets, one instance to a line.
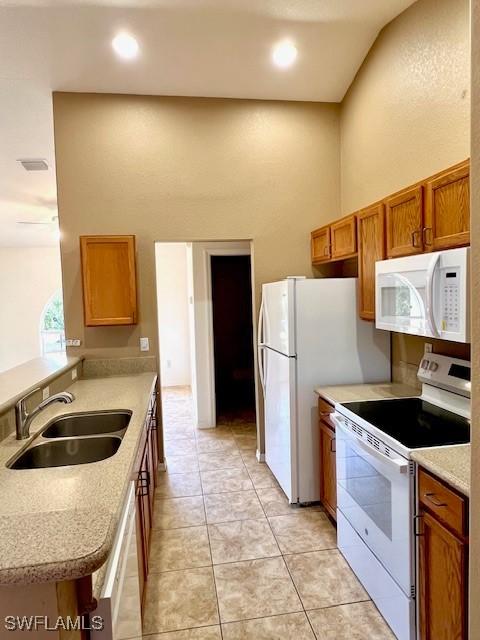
[443, 560]
[145, 471]
[371, 247]
[343, 238]
[404, 223]
[109, 280]
[447, 209]
[328, 476]
[320, 245]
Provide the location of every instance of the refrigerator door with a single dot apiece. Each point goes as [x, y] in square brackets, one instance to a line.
[280, 420]
[278, 316]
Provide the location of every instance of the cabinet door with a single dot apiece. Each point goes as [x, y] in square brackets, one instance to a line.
[404, 220]
[371, 247]
[141, 551]
[109, 280]
[343, 236]
[320, 245]
[447, 209]
[442, 582]
[328, 475]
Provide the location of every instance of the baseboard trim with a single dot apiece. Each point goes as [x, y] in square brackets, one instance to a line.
[260, 456]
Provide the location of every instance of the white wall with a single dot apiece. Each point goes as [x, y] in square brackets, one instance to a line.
[201, 321]
[172, 300]
[28, 279]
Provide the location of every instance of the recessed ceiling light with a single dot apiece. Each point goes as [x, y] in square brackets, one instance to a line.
[125, 46]
[284, 54]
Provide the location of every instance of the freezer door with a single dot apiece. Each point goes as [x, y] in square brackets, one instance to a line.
[280, 420]
[278, 322]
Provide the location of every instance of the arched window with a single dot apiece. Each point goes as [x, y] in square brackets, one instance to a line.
[52, 329]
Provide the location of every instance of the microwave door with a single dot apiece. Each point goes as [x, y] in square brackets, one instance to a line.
[401, 302]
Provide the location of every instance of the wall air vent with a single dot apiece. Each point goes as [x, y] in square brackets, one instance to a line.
[34, 164]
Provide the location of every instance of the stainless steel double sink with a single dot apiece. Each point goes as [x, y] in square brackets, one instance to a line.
[76, 438]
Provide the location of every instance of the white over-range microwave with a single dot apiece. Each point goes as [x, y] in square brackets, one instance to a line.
[425, 295]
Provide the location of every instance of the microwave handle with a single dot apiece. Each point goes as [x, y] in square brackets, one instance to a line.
[430, 302]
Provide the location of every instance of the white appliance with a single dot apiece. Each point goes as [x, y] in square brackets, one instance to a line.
[425, 295]
[119, 603]
[310, 335]
[376, 481]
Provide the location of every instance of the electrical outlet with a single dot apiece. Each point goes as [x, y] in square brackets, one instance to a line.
[74, 374]
[73, 342]
[144, 344]
[45, 393]
[428, 347]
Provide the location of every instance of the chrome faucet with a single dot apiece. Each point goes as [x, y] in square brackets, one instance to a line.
[24, 419]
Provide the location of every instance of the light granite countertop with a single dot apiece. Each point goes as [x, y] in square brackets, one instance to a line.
[59, 523]
[377, 391]
[451, 464]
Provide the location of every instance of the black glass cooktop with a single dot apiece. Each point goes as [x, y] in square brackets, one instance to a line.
[413, 422]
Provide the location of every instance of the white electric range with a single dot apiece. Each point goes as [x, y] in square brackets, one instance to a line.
[376, 480]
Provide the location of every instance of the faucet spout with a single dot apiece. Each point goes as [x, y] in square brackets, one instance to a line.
[24, 419]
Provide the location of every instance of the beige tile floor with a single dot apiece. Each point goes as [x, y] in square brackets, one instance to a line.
[231, 559]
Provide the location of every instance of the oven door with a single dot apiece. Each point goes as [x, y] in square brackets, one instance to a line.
[375, 494]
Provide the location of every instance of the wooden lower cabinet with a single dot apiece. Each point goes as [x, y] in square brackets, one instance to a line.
[442, 563]
[145, 471]
[328, 475]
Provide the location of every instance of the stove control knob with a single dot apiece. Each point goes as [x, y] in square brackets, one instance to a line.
[425, 363]
[433, 366]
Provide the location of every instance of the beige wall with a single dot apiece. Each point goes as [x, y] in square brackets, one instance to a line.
[27, 276]
[182, 169]
[405, 117]
[407, 114]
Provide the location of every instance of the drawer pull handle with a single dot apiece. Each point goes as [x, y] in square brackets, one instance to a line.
[437, 503]
[333, 448]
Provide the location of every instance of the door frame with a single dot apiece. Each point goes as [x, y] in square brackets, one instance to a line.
[207, 254]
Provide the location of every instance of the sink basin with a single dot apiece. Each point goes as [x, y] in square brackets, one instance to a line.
[60, 453]
[88, 424]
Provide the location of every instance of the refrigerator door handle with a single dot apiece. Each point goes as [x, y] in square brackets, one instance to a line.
[260, 341]
[261, 346]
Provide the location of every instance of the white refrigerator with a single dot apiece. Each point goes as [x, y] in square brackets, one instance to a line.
[310, 335]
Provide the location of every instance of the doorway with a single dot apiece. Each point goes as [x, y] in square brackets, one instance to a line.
[233, 338]
[206, 333]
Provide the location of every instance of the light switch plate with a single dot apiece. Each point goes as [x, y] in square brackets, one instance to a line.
[144, 344]
[45, 393]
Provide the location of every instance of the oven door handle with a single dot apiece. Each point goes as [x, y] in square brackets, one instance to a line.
[400, 464]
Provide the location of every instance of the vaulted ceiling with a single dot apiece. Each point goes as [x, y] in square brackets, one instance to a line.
[214, 48]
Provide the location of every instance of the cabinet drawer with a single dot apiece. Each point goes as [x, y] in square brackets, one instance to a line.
[448, 506]
[324, 411]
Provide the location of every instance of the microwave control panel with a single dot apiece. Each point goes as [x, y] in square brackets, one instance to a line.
[450, 287]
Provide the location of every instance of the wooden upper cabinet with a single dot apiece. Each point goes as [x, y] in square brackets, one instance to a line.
[109, 280]
[320, 245]
[343, 237]
[371, 247]
[447, 209]
[404, 222]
